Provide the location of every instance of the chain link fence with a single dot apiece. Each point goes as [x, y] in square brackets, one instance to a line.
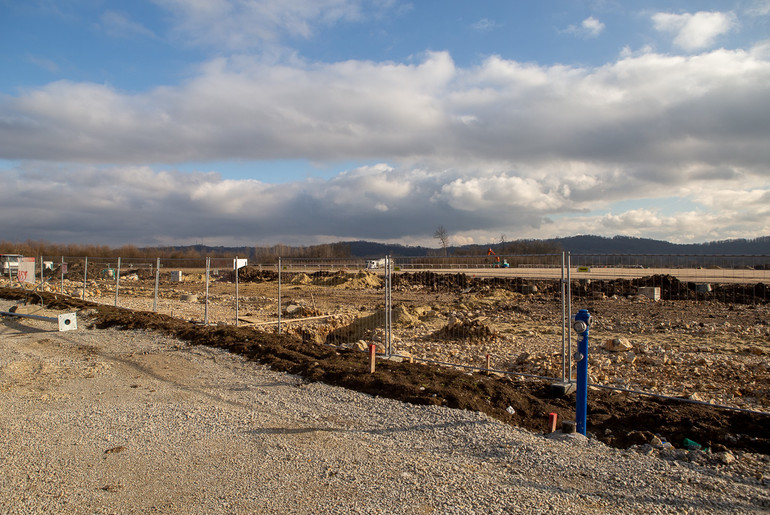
[663, 324]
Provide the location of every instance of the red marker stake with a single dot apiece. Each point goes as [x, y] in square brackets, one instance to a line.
[552, 421]
[372, 350]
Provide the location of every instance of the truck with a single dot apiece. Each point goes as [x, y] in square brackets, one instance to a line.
[9, 264]
[373, 264]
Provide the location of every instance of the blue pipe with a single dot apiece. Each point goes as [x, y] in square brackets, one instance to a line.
[581, 326]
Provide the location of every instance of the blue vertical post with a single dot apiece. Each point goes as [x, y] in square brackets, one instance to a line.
[581, 326]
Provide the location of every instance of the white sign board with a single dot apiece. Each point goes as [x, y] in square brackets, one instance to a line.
[26, 273]
[239, 263]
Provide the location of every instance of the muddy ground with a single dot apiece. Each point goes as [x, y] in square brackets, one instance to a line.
[618, 419]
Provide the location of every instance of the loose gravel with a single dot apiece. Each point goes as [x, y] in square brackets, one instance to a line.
[107, 421]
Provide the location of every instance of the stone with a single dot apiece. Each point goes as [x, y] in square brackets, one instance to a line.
[726, 457]
[618, 345]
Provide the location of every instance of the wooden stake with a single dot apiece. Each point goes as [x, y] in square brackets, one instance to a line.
[372, 351]
[552, 417]
[488, 367]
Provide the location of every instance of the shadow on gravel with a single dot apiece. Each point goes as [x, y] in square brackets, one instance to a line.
[618, 419]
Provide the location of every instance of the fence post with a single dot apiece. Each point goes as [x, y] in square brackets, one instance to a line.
[279, 294]
[389, 306]
[62, 275]
[85, 277]
[206, 304]
[117, 282]
[569, 310]
[236, 290]
[157, 280]
[563, 325]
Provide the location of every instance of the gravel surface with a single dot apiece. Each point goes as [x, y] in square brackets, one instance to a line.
[107, 421]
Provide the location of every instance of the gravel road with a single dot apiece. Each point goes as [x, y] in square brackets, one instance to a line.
[107, 421]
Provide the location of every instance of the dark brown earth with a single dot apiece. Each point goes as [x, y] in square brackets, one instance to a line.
[618, 419]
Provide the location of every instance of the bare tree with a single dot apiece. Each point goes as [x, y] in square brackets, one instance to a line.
[442, 236]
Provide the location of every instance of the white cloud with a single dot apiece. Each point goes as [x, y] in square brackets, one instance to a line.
[249, 24]
[140, 205]
[759, 8]
[695, 31]
[485, 24]
[480, 150]
[121, 25]
[592, 26]
[588, 28]
[42, 62]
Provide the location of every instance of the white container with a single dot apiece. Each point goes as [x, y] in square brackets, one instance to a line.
[651, 292]
[176, 276]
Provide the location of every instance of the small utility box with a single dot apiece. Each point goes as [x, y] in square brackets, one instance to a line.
[176, 276]
[651, 292]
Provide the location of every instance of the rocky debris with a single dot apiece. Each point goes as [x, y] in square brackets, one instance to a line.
[433, 282]
[364, 328]
[248, 274]
[472, 330]
[618, 345]
[300, 311]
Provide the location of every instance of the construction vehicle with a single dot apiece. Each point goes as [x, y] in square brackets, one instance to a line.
[498, 262]
[373, 264]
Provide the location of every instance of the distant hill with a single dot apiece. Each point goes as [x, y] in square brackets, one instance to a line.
[586, 244]
[575, 244]
[629, 245]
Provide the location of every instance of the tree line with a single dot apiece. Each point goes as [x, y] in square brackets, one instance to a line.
[264, 255]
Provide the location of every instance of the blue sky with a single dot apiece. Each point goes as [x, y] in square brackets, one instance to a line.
[255, 122]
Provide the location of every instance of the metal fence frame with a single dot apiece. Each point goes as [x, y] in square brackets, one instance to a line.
[702, 269]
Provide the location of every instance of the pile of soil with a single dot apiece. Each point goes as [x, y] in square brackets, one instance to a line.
[249, 274]
[672, 288]
[434, 282]
[614, 418]
[472, 330]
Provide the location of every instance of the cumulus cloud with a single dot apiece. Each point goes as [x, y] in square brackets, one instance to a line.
[140, 205]
[589, 28]
[695, 31]
[479, 149]
[248, 24]
[647, 111]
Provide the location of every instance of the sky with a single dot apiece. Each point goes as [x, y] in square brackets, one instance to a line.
[258, 122]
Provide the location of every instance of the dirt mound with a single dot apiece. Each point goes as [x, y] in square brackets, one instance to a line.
[249, 274]
[301, 279]
[363, 280]
[472, 330]
[75, 270]
[613, 417]
[672, 288]
[442, 283]
[363, 328]
[354, 281]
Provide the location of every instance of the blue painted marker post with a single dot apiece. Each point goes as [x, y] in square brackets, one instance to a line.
[581, 325]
